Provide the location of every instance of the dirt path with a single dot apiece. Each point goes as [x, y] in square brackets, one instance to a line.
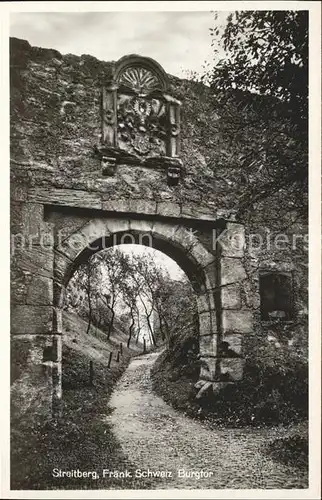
[156, 437]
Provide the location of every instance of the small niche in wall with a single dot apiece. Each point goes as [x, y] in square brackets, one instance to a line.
[276, 295]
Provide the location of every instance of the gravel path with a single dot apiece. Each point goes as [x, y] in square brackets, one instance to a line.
[155, 437]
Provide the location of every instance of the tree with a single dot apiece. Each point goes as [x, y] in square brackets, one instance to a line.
[260, 96]
[114, 283]
[112, 273]
[266, 52]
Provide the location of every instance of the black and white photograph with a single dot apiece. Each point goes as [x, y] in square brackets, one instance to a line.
[160, 212]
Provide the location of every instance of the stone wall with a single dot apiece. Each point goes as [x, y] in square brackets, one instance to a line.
[55, 128]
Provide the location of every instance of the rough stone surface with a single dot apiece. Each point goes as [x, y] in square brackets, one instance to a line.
[230, 297]
[232, 240]
[65, 197]
[205, 323]
[31, 319]
[56, 127]
[40, 291]
[208, 369]
[237, 321]
[232, 271]
[235, 344]
[169, 209]
[231, 369]
[33, 260]
[208, 345]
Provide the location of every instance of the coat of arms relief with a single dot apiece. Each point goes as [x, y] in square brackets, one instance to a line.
[140, 119]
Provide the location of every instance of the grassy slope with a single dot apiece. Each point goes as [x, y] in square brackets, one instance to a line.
[80, 438]
[80, 348]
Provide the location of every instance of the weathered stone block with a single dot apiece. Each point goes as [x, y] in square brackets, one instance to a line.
[117, 225]
[28, 227]
[62, 267]
[32, 360]
[205, 324]
[231, 345]
[231, 369]
[165, 231]
[116, 205]
[33, 218]
[232, 271]
[148, 207]
[141, 226]
[59, 294]
[85, 237]
[205, 302]
[211, 276]
[33, 260]
[57, 320]
[65, 225]
[230, 297]
[237, 321]
[169, 209]
[201, 255]
[232, 240]
[31, 319]
[17, 192]
[40, 291]
[65, 197]
[183, 237]
[195, 211]
[208, 345]
[208, 368]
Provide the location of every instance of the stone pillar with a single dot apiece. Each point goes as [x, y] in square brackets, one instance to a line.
[222, 350]
[236, 317]
[109, 115]
[35, 347]
[174, 128]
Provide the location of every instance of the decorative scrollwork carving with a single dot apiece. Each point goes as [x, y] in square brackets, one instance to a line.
[109, 117]
[141, 80]
[140, 120]
[174, 129]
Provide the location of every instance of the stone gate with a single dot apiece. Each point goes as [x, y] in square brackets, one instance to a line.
[71, 202]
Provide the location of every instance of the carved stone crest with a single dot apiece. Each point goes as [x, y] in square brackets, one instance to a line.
[139, 119]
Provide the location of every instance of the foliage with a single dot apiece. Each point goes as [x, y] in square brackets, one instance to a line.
[266, 52]
[274, 389]
[259, 95]
[80, 438]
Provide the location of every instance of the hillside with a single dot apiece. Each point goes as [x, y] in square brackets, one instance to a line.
[79, 429]
[79, 349]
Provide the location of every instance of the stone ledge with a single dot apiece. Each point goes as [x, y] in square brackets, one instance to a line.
[65, 197]
[168, 209]
[141, 206]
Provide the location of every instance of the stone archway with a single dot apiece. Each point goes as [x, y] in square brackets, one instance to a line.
[173, 239]
[214, 268]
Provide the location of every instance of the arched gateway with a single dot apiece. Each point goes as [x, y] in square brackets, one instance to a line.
[61, 226]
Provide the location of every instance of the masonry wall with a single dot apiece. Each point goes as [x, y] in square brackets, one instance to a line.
[55, 126]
